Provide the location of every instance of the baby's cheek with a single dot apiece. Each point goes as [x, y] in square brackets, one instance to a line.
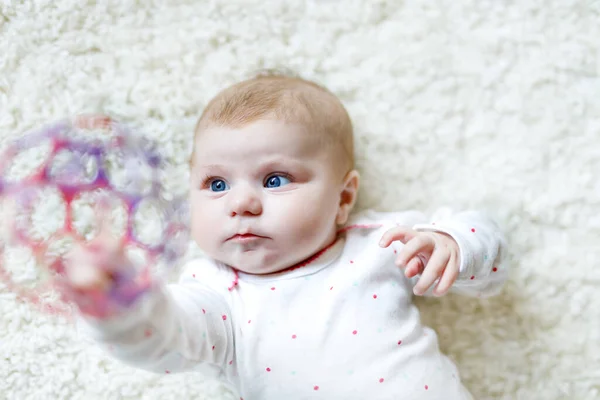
[309, 228]
[204, 225]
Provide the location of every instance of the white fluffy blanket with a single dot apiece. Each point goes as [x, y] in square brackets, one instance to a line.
[472, 103]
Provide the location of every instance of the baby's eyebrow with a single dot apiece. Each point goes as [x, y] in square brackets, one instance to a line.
[274, 163]
[259, 167]
[212, 168]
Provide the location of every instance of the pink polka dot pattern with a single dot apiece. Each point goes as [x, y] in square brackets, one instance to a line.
[365, 330]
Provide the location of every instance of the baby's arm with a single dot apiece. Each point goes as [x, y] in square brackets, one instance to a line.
[170, 328]
[480, 261]
[141, 320]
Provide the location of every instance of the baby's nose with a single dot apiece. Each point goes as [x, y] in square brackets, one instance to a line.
[245, 201]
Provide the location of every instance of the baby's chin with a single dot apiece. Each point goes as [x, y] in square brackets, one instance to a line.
[257, 262]
[258, 270]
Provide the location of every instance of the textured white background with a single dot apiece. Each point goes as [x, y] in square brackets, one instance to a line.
[469, 103]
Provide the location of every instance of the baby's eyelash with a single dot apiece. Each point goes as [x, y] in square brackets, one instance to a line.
[284, 174]
[206, 180]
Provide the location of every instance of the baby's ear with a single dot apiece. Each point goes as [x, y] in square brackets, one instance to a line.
[348, 196]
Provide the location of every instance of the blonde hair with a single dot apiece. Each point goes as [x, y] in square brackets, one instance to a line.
[287, 98]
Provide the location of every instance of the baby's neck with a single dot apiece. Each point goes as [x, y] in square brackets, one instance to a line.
[308, 260]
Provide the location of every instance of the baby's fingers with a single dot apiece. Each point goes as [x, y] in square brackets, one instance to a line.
[83, 269]
[103, 218]
[448, 278]
[434, 268]
[87, 277]
[401, 233]
[415, 266]
[419, 244]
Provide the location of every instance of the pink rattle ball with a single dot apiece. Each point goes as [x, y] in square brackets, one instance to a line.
[51, 181]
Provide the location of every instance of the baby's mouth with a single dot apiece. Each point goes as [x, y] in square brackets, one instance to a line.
[245, 238]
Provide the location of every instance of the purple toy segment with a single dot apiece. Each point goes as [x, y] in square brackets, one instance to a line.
[81, 164]
[73, 173]
[102, 178]
[25, 200]
[32, 139]
[130, 210]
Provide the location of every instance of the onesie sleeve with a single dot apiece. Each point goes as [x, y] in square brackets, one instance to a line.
[171, 328]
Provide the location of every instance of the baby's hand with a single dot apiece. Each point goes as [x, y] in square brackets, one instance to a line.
[99, 277]
[432, 254]
[89, 266]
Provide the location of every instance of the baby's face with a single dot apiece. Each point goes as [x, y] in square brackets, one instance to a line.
[263, 197]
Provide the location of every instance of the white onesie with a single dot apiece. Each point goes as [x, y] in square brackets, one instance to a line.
[340, 326]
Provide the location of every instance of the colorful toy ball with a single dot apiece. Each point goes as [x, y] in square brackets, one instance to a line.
[51, 183]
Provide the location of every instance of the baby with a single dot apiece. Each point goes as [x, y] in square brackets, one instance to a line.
[297, 298]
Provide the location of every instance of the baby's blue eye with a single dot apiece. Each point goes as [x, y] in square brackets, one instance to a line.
[276, 181]
[218, 185]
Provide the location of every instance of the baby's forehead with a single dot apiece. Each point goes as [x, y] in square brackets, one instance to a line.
[262, 145]
[259, 136]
